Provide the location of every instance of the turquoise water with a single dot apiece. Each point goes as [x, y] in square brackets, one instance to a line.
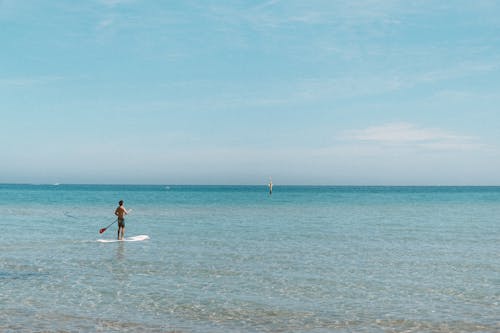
[234, 259]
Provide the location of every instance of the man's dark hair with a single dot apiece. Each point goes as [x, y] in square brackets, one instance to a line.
[120, 202]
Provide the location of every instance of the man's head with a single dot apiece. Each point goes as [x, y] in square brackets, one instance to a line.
[120, 202]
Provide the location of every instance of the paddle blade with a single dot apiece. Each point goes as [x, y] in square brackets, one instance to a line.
[102, 230]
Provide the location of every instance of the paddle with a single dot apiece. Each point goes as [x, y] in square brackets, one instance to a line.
[104, 229]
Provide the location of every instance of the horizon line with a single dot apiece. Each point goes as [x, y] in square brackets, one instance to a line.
[247, 185]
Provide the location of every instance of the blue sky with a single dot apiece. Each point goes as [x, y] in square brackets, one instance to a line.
[234, 92]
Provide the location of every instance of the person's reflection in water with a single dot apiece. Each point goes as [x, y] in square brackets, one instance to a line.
[120, 251]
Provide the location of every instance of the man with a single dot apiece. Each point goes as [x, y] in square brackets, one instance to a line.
[121, 212]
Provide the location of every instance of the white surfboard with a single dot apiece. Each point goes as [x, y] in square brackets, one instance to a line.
[126, 239]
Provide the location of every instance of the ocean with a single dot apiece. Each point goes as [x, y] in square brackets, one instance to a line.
[236, 259]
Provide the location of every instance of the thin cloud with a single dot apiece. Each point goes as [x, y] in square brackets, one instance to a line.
[29, 81]
[276, 13]
[410, 135]
[460, 70]
[112, 3]
[105, 23]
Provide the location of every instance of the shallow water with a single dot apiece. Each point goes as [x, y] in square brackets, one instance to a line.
[234, 259]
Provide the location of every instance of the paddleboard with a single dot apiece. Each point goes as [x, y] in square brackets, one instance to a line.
[126, 239]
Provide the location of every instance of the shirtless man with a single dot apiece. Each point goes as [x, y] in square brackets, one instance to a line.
[121, 212]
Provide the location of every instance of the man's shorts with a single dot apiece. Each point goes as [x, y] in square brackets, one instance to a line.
[121, 223]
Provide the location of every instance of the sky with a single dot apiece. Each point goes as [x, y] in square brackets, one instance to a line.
[319, 92]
